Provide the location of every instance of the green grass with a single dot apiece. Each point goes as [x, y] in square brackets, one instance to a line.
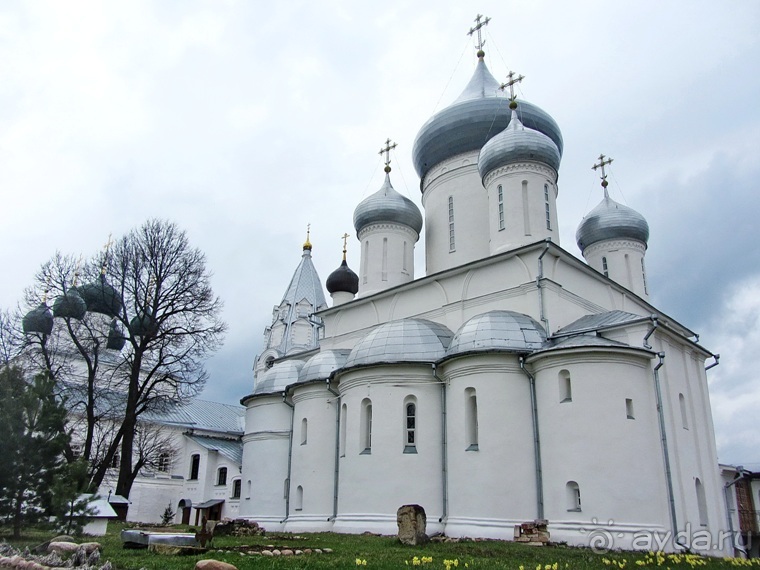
[386, 552]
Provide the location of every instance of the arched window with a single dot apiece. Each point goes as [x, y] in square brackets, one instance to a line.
[366, 427]
[573, 494]
[236, 488]
[221, 476]
[248, 490]
[299, 498]
[269, 362]
[629, 409]
[343, 418]
[501, 207]
[565, 387]
[526, 208]
[605, 269]
[410, 425]
[471, 419]
[164, 462]
[384, 275]
[304, 430]
[452, 242]
[546, 204]
[195, 465]
[684, 417]
[701, 502]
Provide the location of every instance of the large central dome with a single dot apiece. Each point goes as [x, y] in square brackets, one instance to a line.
[478, 114]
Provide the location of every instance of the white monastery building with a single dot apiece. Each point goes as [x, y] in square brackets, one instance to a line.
[512, 382]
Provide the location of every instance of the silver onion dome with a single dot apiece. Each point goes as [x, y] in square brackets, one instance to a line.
[322, 365]
[610, 220]
[407, 340]
[477, 115]
[278, 378]
[498, 331]
[387, 206]
[343, 279]
[517, 143]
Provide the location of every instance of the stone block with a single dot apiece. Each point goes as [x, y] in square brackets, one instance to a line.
[211, 564]
[412, 524]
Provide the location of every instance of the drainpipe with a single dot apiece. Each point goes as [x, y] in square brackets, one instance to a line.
[727, 498]
[290, 454]
[714, 364]
[337, 451]
[539, 277]
[444, 450]
[655, 324]
[664, 442]
[536, 441]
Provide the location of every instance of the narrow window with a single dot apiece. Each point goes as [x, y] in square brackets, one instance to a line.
[471, 419]
[304, 428]
[299, 498]
[76, 450]
[565, 387]
[236, 488]
[365, 261]
[385, 260]
[501, 208]
[195, 465]
[221, 476]
[403, 267]
[248, 489]
[366, 427]
[629, 409]
[410, 425]
[526, 209]
[285, 488]
[644, 276]
[684, 418]
[548, 211]
[701, 502]
[343, 414]
[115, 460]
[452, 243]
[605, 270]
[573, 493]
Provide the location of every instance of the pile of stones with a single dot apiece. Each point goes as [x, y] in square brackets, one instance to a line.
[238, 527]
[61, 552]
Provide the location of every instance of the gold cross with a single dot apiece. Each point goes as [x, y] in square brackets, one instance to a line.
[387, 150]
[345, 242]
[603, 161]
[512, 81]
[478, 25]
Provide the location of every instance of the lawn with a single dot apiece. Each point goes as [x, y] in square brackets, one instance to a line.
[367, 551]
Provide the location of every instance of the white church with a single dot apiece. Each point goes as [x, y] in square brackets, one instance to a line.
[513, 382]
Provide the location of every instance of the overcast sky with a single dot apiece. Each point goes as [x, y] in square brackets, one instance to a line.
[243, 121]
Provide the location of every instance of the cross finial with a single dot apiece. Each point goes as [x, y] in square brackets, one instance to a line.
[603, 161]
[345, 243]
[307, 243]
[106, 250]
[479, 24]
[387, 150]
[512, 80]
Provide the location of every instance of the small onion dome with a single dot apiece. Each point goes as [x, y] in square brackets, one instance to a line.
[116, 339]
[498, 331]
[278, 378]
[142, 324]
[480, 113]
[610, 220]
[322, 365]
[387, 206]
[407, 340]
[101, 297]
[517, 143]
[70, 305]
[343, 279]
[39, 320]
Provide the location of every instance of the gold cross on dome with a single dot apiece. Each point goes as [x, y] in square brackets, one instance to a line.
[387, 150]
[511, 82]
[345, 243]
[603, 161]
[479, 24]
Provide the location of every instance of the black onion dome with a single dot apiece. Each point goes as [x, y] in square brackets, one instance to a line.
[39, 320]
[517, 143]
[142, 324]
[70, 305]
[610, 220]
[116, 339]
[343, 279]
[479, 113]
[101, 297]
